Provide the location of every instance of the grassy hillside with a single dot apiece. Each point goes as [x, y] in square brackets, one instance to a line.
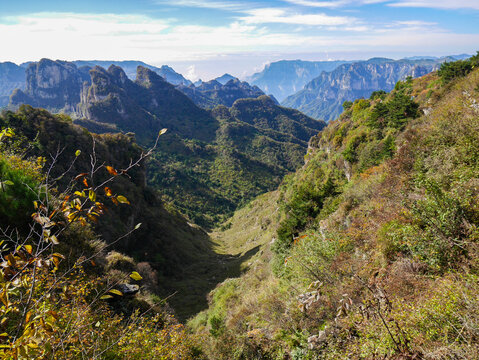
[375, 247]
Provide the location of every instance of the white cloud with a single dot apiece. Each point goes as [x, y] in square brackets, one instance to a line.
[158, 41]
[106, 36]
[191, 73]
[281, 16]
[208, 4]
[333, 3]
[438, 4]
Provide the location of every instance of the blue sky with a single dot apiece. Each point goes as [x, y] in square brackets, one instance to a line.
[205, 38]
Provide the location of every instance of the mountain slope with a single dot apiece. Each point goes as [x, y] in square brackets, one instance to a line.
[374, 241]
[323, 97]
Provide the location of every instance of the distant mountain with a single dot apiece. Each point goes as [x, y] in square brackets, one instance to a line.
[210, 162]
[283, 78]
[448, 58]
[213, 93]
[12, 77]
[323, 97]
[223, 79]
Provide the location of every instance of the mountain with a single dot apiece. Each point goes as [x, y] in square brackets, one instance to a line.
[323, 97]
[283, 78]
[213, 93]
[368, 246]
[12, 77]
[197, 168]
[143, 106]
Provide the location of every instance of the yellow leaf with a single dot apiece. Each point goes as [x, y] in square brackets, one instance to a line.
[116, 292]
[122, 199]
[108, 191]
[32, 346]
[162, 131]
[92, 195]
[104, 297]
[77, 153]
[135, 276]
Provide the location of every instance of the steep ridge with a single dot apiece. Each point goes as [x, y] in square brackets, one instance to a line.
[144, 106]
[286, 77]
[369, 250]
[323, 97]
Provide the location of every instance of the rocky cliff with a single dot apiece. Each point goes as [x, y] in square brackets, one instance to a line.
[322, 98]
[54, 85]
[143, 106]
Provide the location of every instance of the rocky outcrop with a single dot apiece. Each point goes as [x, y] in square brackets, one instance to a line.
[323, 97]
[143, 106]
[213, 93]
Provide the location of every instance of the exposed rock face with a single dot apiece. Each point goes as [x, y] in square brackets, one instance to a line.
[12, 77]
[55, 85]
[323, 97]
[284, 78]
[143, 106]
[213, 93]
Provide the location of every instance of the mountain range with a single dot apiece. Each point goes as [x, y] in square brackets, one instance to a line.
[206, 150]
[323, 97]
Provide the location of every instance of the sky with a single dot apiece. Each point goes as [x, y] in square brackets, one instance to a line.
[206, 38]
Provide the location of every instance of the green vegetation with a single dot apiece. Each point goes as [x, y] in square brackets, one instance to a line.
[60, 296]
[376, 247]
[257, 143]
[368, 251]
[457, 69]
